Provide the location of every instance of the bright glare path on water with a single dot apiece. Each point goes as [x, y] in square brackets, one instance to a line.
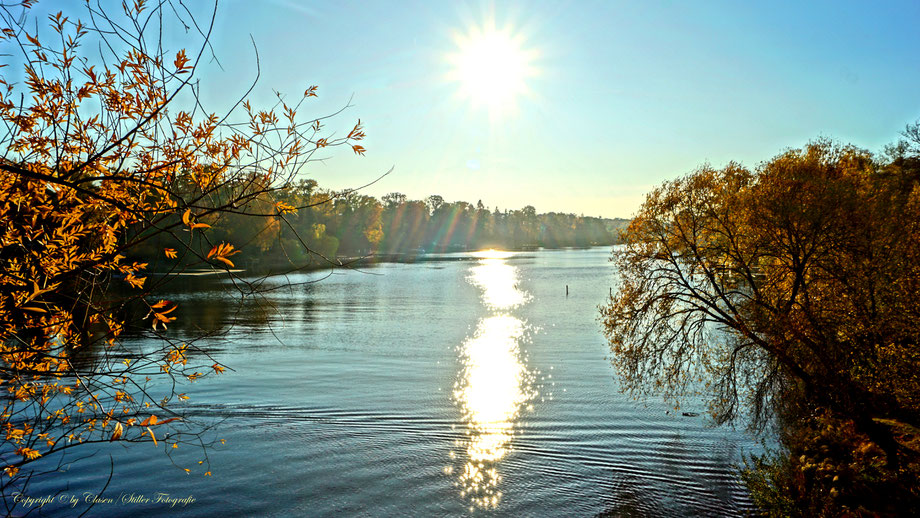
[494, 383]
[498, 280]
[492, 254]
[384, 390]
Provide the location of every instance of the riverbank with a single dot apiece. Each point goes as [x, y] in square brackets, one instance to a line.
[402, 257]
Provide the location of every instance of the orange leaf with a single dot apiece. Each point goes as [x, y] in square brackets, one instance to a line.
[137, 282]
[284, 208]
[164, 319]
[117, 433]
[181, 60]
[356, 133]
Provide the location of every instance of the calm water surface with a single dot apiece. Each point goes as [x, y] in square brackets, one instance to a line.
[465, 387]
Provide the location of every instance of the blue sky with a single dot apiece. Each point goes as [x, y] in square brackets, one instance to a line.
[623, 95]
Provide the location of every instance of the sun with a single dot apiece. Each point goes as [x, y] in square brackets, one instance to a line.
[492, 67]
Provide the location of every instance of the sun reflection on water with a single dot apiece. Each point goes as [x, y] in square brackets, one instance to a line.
[491, 254]
[494, 384]
[498, 281]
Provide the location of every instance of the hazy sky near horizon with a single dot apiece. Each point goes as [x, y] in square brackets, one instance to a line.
[609, 98]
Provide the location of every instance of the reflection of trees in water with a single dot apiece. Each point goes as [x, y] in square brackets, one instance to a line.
[687, 481]
[208, 306]
[631, 497]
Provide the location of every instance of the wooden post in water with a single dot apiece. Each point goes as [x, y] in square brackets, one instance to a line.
[566, 290]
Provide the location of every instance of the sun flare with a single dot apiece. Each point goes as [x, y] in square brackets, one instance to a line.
[492, 67]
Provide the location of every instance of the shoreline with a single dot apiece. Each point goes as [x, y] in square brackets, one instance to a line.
[347, 262]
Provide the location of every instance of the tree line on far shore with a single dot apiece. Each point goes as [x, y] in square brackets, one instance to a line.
[312, 227]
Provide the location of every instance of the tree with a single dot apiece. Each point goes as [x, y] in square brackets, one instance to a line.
[434, 203]
[789, 290]
[394, 200]
[105, 148]
[358, 223]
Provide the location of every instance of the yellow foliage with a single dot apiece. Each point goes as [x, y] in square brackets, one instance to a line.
[98, 156]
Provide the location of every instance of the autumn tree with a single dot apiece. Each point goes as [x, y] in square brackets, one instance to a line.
[106, 146]
[358, 223]
[405, 224]
[785, 291]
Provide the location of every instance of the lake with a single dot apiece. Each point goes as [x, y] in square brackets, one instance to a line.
[473, 385]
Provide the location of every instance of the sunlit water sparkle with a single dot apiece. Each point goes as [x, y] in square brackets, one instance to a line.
[494, 384]
[417, 390]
